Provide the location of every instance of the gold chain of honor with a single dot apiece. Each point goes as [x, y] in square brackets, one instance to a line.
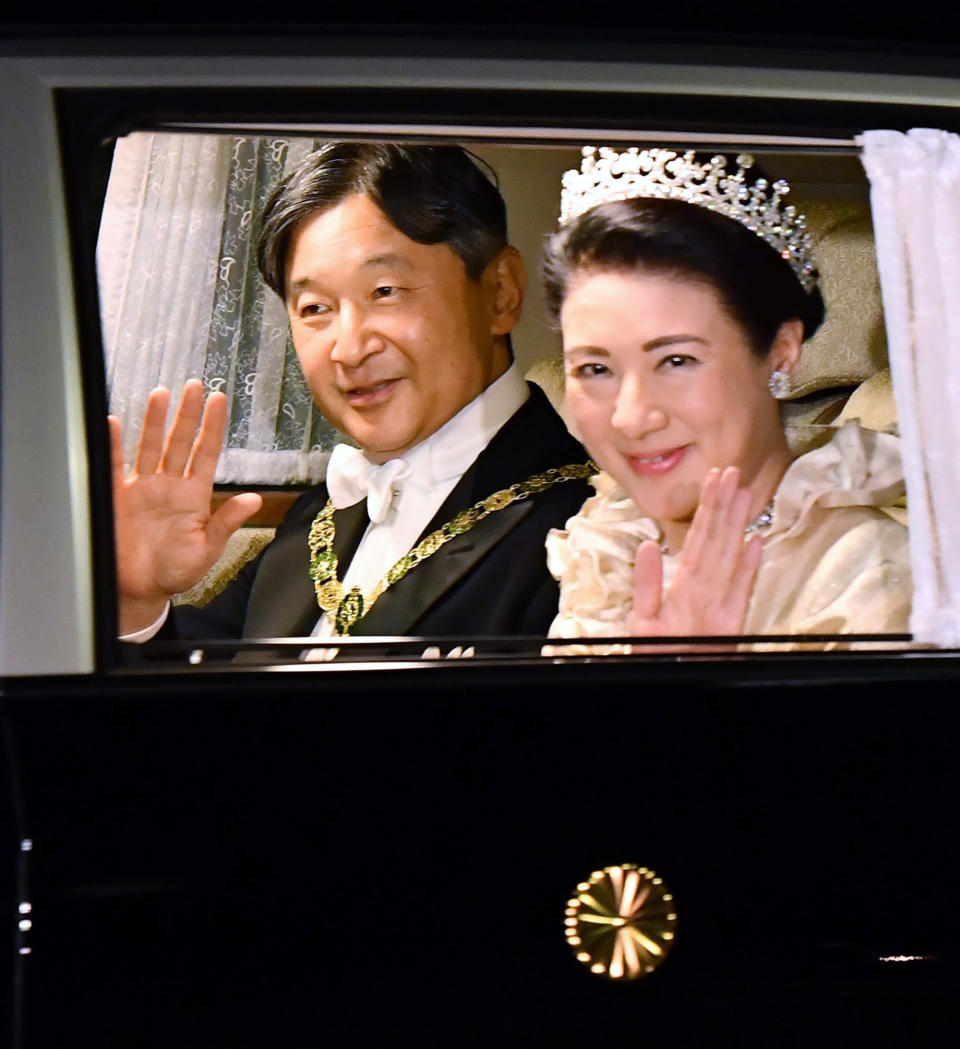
[346, 608]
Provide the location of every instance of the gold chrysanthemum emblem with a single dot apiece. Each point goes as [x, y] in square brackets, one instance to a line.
[621, 922]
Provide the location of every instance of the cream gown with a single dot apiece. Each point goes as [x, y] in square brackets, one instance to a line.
[834, 560]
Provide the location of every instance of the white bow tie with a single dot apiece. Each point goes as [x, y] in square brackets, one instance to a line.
[351, 476]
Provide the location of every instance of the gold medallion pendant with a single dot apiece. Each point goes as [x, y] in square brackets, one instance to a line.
[345, 609]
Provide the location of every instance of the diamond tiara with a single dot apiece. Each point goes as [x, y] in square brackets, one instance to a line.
[607, 175]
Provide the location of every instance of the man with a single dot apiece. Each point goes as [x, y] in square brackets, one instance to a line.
[401, 291]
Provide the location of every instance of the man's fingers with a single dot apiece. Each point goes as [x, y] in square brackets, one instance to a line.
[117, 467]
[150, 445]
[230, 517]
[182, 449]
[647, 581]
[206, 449]
[180, 438]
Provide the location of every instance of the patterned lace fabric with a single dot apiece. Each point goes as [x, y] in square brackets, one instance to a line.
[181, 298]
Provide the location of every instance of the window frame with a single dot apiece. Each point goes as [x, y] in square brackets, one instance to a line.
[70, 103]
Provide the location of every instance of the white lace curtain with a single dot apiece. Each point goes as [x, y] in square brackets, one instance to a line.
[915, 199]
[181, 297]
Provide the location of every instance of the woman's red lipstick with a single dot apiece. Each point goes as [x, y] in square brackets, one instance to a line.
[657, 463]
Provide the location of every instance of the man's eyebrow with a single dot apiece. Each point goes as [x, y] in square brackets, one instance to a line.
[390, 258]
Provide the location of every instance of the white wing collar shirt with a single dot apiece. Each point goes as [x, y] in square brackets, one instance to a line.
[403, 494]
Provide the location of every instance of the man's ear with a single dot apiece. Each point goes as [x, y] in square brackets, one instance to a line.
[787, 344]
[509, 277]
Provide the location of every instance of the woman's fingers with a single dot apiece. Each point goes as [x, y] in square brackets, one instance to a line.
[728, 563]
[711, 591]
[697, 533]
[727, 548]
[741, 585]
[706, 538]
[647, 581]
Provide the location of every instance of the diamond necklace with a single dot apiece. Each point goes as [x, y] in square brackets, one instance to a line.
[763, 520]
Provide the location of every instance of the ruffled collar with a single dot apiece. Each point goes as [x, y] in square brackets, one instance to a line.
[857, 467]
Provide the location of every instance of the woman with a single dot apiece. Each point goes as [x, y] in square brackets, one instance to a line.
[684, 293]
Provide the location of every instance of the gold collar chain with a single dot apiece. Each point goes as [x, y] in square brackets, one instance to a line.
[345, 609]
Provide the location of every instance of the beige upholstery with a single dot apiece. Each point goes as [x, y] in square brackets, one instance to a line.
[241, 547]
[549, 375]
[850, 345]
[873, 404]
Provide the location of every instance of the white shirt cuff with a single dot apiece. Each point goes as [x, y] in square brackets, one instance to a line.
[139, 636]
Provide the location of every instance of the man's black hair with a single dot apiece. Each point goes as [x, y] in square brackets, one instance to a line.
[432, 194]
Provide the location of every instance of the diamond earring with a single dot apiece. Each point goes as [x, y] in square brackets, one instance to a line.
[779, 383]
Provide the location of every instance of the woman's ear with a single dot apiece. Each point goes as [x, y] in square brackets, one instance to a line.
[787, 344]
[510, 282]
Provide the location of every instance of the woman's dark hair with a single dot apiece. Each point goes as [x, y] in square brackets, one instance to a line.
[432, 194]
[758, 288]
